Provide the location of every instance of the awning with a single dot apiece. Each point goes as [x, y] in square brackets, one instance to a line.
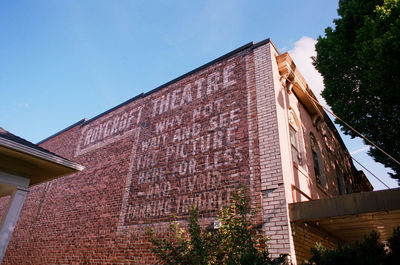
[350, 217]
[22, 158]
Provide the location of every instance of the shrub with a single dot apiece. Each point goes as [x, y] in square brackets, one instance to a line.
[234, 242]
[369, 252]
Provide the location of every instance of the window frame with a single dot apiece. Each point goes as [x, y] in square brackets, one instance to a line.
[340, 181]
[297, 156]
[318, 165]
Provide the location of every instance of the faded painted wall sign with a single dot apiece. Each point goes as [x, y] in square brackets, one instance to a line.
[192, 149]
[109, 129]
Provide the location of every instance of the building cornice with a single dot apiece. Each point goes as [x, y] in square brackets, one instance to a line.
[294, 82]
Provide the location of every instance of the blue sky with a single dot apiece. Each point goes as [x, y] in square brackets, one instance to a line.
[62, 61]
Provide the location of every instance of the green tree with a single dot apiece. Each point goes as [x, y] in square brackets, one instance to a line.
[233, 243]
[360, 62]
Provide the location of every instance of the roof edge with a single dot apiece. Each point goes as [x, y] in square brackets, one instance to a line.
[142, 95]
[40, 154]
[112, 109]
[261, 43]
[350, 204]
[229, 54]
[59, 132]
[83, 122]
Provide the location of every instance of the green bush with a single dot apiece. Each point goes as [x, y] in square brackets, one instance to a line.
[234, 242]
[369, 252]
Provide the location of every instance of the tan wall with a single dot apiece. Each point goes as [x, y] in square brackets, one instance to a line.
[334, 157]
[299, 180]
[305, 238]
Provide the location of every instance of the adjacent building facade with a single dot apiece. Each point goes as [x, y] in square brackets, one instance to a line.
[247, 117]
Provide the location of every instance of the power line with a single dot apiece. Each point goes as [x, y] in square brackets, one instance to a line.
[358, 133]
[370, 172]
[354, 130]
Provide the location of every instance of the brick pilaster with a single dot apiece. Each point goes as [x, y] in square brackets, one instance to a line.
[274, 203]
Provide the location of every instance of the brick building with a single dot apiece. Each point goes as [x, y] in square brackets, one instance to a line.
[247, 117]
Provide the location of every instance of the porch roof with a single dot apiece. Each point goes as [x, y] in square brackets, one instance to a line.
[350, 217]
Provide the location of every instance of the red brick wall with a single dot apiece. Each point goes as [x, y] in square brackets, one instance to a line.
[191, 142]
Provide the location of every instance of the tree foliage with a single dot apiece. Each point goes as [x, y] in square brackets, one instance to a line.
[234, 242]
[360, 62]
[369, 252]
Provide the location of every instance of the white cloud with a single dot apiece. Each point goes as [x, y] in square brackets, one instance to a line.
[301, 54]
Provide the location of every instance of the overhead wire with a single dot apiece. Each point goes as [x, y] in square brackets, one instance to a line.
[355, 160]
[354, 130]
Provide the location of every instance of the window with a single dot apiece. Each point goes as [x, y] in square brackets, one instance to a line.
[328, 138]
[296, 155]
[317, 161]
[340, 183]
[341, 186]
[349, 190]
[296, 138]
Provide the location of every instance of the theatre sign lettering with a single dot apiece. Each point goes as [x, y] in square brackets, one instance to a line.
[109, 129]
[190, 144]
